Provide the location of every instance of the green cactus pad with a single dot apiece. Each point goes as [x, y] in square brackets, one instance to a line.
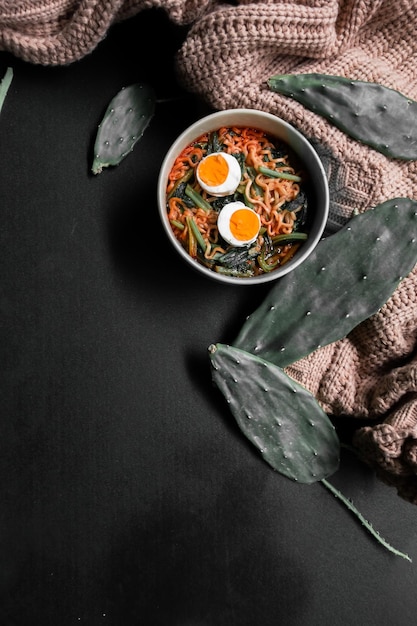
[125, 120]
[5, 84]
[346, 279]
[371, 113]
[279, 416]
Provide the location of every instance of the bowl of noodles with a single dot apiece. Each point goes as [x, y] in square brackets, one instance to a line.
[243, 196]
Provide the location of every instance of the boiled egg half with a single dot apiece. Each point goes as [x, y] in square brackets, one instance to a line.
[219, 173]
[238, 224]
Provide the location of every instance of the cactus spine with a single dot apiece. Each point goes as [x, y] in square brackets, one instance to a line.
[370, 113]
[345, 280]
[281, 418]
[125, 120]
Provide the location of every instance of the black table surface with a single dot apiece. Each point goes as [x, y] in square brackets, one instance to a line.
[128, 495]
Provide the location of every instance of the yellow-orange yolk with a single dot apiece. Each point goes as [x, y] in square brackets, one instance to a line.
[213, 170]
[238, 224]
[244, 224]
[219, 174]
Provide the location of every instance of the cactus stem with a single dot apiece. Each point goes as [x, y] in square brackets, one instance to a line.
[348, 503]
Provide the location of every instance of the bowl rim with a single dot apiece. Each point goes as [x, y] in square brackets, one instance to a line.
[254, 117]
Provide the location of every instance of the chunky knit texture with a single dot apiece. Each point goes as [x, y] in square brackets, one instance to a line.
[229, 53]
[58, 32]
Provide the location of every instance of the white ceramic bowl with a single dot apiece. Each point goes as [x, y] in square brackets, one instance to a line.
[316, 185]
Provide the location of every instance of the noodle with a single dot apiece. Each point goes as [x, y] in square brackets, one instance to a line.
[266, 194]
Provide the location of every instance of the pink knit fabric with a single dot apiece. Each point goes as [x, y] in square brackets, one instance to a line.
[58, 32]
[229, 53]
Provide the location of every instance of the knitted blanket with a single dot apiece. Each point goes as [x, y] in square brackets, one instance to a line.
[231, 49]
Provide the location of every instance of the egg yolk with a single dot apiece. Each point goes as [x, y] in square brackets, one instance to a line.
[213, 170]
[244, 224]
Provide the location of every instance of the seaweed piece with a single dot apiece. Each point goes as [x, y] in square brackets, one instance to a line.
[213, 143]
[238, 257]
[300, 206]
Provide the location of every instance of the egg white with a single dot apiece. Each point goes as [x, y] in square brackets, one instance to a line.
[232, 181]
[223, 223]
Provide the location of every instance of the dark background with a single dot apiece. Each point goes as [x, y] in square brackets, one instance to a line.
[128, 496]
